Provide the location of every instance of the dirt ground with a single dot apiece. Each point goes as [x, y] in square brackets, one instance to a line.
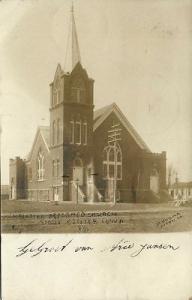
[48, 217]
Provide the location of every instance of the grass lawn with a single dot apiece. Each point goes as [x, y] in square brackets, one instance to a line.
[24, 206]
[38, 217]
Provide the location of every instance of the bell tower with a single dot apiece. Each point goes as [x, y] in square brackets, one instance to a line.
[71, 124]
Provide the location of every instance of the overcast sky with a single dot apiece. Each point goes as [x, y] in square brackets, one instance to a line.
[138, 52]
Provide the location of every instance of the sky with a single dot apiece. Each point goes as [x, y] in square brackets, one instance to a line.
[138, 52]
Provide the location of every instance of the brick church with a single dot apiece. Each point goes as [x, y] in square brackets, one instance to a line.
[86, 155]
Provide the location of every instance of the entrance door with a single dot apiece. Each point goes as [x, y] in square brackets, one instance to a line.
[78, 175]
[154, 183]
[12, 191]
[55, 194]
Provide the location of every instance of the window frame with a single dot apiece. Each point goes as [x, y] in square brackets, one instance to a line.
[107, 163]
[72, 132]
[40, 166]
[79, 141]
[85, 133]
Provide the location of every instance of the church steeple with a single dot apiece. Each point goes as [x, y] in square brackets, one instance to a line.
[72, 52]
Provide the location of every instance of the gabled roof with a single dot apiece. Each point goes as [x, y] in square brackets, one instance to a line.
[101, 114]
[44, 132]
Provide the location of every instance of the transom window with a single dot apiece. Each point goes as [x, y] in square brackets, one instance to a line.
[112, 162]
[40, 166]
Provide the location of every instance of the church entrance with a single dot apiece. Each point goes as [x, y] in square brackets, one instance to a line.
[154, 181]
[78, 172]
[77, 190]
[55, 194]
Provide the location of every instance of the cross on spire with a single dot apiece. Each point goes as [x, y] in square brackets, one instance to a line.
[73, 52]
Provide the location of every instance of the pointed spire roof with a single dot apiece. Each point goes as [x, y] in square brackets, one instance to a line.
[72, 53]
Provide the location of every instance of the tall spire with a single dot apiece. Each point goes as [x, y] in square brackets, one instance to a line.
[72, 52]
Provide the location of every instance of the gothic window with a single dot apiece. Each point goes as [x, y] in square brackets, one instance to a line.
[78, 91]
[56, 92]
[53, 133]
[58, 131]
[105, 170]
[40, 166]
[71, 133]
[112, 162]
[56, 168]
[111, 154]
[85, 133]
[77, 162]
[78, 132]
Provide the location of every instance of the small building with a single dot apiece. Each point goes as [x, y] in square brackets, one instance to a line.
[181, 191]
[86, 155]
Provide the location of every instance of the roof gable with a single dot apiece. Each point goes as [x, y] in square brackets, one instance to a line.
[101, 115]
[43, 133]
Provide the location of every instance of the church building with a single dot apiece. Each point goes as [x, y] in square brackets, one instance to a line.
[86, 155]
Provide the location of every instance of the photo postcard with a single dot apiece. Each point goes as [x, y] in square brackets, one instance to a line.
[96, 149]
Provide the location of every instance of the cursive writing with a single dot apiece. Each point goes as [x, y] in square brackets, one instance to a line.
[42, 248]
[169, 220]
[35, 248]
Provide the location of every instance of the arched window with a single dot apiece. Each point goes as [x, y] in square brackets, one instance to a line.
[78, 132]
[53, 132]
[72, 132]
[78, 91]
[112, 162]
[84, 133]
[58, 131]
[40, 166]
[56, 168]
[111, 154]
[56, 92]
[77, 162]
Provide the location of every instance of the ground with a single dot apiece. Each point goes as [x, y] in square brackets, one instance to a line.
[27, 216]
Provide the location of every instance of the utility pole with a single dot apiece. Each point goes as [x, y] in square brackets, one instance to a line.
[77, 184]
[114, 135]
[0, 155]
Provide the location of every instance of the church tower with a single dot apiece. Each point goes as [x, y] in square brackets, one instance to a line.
[71, 127]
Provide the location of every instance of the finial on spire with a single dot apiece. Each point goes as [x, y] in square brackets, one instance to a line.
[73, 52]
